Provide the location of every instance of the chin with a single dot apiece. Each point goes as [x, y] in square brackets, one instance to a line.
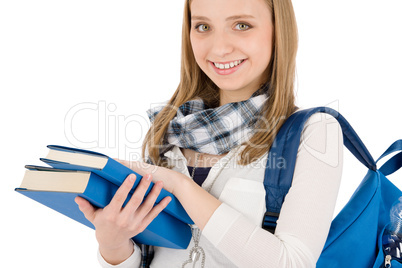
[228, 84]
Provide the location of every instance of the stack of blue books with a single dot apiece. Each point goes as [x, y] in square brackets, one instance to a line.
[96, 177]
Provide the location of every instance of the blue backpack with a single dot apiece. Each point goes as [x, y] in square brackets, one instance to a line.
[355, 236]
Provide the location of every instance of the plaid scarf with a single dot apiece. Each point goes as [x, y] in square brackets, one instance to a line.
[213, 130]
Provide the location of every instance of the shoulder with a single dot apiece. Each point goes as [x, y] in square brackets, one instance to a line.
[321, 119]
[320, 124]
[322, 139]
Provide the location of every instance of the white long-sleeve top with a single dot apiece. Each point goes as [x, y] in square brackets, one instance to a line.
[233, 236]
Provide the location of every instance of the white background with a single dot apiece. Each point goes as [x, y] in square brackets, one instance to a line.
[82, 73]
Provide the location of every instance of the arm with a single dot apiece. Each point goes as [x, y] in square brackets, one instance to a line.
[306, 213]
[185, 189]
[132, 261]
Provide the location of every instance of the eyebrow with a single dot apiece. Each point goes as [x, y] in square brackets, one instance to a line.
[235, 17]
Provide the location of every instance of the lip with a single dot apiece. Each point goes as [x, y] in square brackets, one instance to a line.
[226, 71]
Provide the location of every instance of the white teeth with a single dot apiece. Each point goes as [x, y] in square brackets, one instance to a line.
[228, 65]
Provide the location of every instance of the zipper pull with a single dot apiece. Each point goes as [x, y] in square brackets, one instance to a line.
[388, 261]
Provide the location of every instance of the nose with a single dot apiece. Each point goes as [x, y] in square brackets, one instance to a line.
[222, 44]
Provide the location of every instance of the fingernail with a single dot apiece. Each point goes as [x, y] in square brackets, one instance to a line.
[148, 177]
[167, 201]
[131, 178]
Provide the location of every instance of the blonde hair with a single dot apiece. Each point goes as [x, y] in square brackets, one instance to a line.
[194, 83]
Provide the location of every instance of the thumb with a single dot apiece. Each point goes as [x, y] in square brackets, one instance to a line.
[86, 208]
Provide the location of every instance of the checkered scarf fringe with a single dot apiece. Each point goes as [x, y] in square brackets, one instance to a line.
[213, 130]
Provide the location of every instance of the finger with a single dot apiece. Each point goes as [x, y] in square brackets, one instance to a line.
[138, 196]
[86, 208]
[150, 200]
[142, 168]
[121, 194]
[155, 211]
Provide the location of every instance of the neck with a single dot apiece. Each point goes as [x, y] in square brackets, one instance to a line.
[231, 96]
[242, 94]
[204, 160]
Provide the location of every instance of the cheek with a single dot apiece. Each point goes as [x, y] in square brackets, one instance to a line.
[261, 49]
[197, 47]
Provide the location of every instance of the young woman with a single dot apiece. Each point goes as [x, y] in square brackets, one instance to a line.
[210, 145]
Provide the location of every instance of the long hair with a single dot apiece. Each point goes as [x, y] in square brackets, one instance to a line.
[194, 83]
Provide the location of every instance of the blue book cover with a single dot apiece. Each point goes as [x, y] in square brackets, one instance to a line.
[109, 169]
[164, 231]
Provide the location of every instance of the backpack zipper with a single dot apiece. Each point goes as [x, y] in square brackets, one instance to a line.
[387, 263]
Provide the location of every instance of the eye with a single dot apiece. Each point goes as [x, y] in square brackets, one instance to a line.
[242, 26]
[202, 27]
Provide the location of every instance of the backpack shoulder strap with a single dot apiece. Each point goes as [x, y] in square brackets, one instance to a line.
[282, 158]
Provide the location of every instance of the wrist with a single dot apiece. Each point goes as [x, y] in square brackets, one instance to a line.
[180, 182]
[198, 203]
[117, 254]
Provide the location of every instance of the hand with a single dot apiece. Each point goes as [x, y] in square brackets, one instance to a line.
[198, 203]
[172, 180]
[116, 225]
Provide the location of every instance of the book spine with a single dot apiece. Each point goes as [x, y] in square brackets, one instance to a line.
[117, 173]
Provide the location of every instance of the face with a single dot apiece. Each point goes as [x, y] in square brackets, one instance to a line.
[232, 44]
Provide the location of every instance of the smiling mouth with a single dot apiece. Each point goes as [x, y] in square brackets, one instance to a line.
[227, 65]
